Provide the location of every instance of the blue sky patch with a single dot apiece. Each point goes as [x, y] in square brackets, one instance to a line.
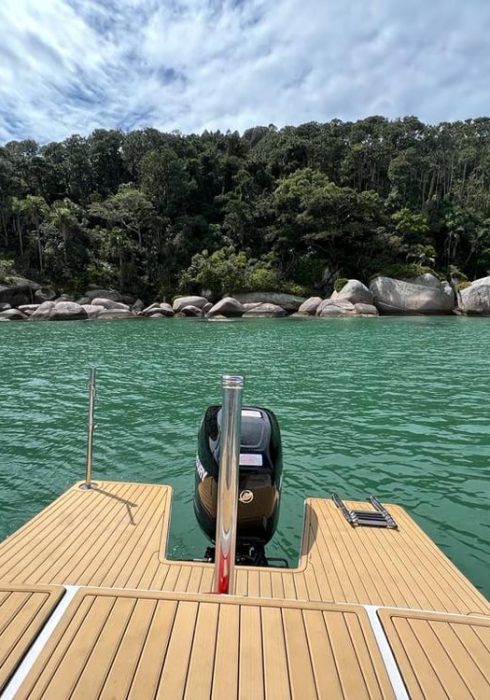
[71, 66]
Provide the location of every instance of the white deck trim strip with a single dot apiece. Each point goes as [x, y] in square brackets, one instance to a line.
[391, 666]
[31, 657]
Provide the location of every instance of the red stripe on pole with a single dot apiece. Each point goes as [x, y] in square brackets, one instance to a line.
[223, 575]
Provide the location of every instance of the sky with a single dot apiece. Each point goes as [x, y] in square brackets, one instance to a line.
[71, 66]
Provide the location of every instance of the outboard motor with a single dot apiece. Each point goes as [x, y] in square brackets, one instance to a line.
[260, 476]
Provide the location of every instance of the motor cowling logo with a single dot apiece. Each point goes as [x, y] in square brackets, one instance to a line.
[246, 496]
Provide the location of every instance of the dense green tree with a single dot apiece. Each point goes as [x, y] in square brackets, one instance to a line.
[276, 206]
[165, 181]
[105, 154]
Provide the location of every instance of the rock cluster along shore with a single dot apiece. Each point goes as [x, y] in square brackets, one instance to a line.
[22, 300]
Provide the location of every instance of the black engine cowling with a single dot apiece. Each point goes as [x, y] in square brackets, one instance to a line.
[260, 476]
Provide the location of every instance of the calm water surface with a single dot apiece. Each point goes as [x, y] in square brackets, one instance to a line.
[396, 407]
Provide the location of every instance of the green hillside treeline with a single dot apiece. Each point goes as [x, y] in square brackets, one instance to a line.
[153, 213]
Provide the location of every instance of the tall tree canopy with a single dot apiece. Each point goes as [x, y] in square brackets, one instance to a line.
[155, 213]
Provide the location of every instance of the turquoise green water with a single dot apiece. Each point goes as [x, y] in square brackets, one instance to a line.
[396, 407]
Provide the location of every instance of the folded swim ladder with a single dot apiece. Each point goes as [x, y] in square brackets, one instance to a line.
[366, 518]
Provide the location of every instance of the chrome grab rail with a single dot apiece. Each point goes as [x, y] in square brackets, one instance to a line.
[226, 520]
[91, 386]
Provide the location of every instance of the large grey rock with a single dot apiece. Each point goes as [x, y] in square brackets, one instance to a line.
[181, 302]
[66, 311]
[92, 311]
[13, 315]
[137, 307]
[399, 297]
[426, 280]
[265, 311]
[166, 309]
[310, 306]
[220, 319]
[114, 314]
[163, 309]
[354, 291]
[335, 307]
[366, 310]
[289, 302]
[65, 297]
[43, 311]
[475, 300]
[109, 304]
[228, 306]
[103, 294]
[44, 294]
[18, 290]
[191, 311]
[482, 282]
[150, 309]
[28, 309]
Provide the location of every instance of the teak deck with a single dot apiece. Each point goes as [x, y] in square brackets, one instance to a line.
[262, 649]
[440, 655]
[363, 606]
[23, 612]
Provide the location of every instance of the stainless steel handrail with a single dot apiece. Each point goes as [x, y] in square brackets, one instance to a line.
[226, 520]
[91, 386]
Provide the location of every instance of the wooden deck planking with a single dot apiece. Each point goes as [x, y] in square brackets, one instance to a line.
[373, 565]
[276, 676]
[154, 645]
[226, 661]
[23, 612]
[300, 670]
[124, 662]
[251, 671]
[118, 644]
[199, 681]
[116, 535]
[440, 656]
[98, 536]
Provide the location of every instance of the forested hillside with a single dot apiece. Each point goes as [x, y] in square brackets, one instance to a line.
[153, 213]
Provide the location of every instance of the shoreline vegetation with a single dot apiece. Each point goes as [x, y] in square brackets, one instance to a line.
[391, 214]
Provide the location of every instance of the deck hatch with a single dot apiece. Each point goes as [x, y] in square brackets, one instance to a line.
[440, 656]
[23, 612]
[123, 644]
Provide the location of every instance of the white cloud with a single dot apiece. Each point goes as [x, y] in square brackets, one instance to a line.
[69, 66]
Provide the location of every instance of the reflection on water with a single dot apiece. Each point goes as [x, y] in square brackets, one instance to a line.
[392, 407]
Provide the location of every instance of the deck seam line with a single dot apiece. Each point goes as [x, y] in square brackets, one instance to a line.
[294, 602]
[441, 642]
[386, 652]
[98, 519]
[427, 577]
[41, 640]
[445, 566]
[133, 543]
[84, 567]
[67, 541]
[370, 550]
[335, 533]
[322, 556]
